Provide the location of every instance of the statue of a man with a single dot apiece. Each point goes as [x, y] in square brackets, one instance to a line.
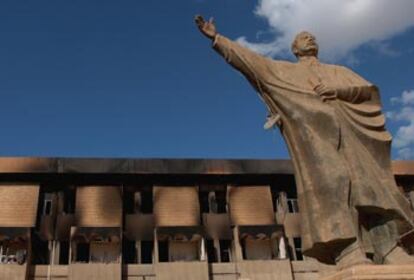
[332, 123]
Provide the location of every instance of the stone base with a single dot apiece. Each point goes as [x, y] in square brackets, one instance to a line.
[374, 272]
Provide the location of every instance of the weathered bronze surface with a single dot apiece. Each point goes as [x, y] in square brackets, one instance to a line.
[331, 120]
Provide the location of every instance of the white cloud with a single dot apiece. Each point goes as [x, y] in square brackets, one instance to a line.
[404, 139]
[340, 26]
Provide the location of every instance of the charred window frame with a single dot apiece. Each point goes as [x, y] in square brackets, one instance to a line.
[64, 252]
[40, 250]
[163, 251]
[147, 247]
[129, 252]
[82, 252]
[212, 254]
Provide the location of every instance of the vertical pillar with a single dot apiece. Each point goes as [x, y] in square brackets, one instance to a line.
[216, 244]
[202, 250]
[138, 250]
[155, 257]
[282, 248]
[292, 246]
[237, 246]
[54, 259]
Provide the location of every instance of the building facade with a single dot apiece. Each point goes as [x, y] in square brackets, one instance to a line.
[155, 219]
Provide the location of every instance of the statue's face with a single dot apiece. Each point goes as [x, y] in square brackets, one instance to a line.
[305, 45]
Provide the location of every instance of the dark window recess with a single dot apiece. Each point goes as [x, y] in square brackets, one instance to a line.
[275, 195]
[293, 205]
[40, 250]
[221, 202]
[146, 251]
[129, 252]
[82, 252]
[243, 248]
[64, 252]
[211, 251]
[69, 201]
[146, 202]
[204, 203]
[298, 248]
[48, 207]
[225, 249]
[128, 202]
[163, 251]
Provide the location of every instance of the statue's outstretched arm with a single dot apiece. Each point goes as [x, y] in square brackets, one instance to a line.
[251, 64]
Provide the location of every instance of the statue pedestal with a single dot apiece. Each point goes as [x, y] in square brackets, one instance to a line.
[374, 272]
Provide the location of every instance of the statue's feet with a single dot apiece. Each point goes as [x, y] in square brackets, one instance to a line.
[398, 256]
[353, 258]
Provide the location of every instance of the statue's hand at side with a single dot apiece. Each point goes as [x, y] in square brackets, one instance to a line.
[206, 27]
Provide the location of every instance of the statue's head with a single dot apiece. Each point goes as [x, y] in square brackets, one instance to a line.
[305, 45]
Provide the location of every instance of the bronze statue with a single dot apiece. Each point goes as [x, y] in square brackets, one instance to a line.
[332, 123]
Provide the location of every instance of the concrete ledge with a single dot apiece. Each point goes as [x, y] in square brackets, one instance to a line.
[374, 272]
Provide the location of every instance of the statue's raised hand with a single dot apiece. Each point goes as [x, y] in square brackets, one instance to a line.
[206, 27]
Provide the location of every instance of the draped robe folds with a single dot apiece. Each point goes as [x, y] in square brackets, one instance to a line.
[340, 148]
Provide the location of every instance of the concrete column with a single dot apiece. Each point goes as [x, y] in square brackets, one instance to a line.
[238, 254]
[282, 248]
[155, 257]
[216, 244]
[203, 256]
[292, 246]
[138, 250]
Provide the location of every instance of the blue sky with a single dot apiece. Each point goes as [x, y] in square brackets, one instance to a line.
[135, 79]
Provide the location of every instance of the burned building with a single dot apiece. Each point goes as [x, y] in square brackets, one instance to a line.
[154, 219]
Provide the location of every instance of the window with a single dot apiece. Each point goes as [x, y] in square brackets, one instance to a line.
[129, 252]
[203, 197]
[47, 209]
[225, 250]
[221, 201]
[82, 252]
[69, 200]
[146, 202]
[297, 241]
[211, 251]
[40, 250]
[64, 252]
[146, 251]
[163, 251]
[293, 205]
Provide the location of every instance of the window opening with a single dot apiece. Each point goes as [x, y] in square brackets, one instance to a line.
[82, 252]
[40, 250]
[221, 200]
[297, 241]
[146, 251]
[163, 251]
[211, 251]
[293, 205]
[225, 250]
[146, 202]
[129, 252]
[64, 252]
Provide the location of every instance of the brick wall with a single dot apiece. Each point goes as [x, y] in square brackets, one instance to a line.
[251, 205]
[176, 206]
[18, 205]
[98, 206]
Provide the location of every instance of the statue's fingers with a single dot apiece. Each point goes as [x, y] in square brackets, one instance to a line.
[199, 20]
[211, 20]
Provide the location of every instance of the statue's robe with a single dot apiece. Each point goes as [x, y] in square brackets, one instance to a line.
[340, 148]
